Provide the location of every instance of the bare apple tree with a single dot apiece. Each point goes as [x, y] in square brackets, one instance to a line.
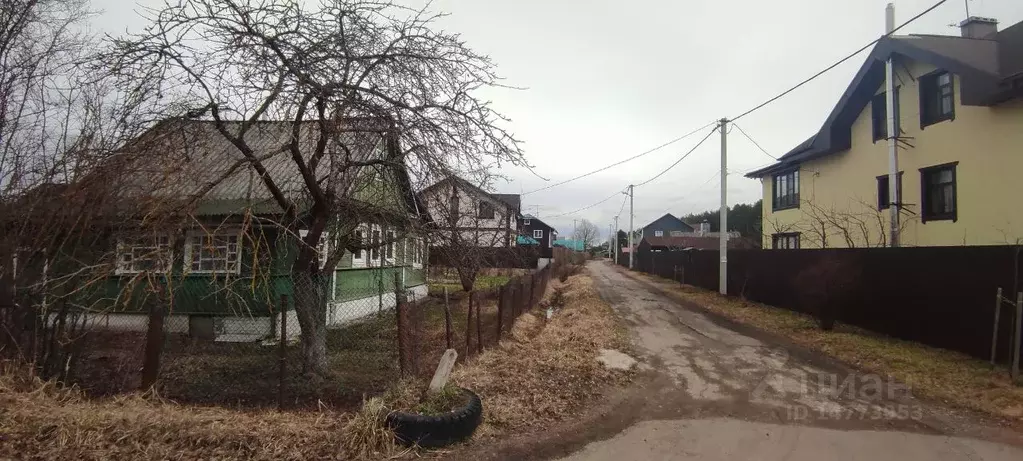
[471, 226]
[238, 63]
[586, 232]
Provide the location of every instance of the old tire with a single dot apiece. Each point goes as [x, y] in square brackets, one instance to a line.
[432, 431]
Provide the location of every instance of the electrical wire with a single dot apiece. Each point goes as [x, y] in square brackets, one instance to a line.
[673, 141]
[584, 208]
[644, 182]
[679, 160]
[623, 206]
[754, 142]
[826, 69]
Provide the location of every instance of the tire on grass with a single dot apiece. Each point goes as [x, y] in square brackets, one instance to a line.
[431, 431]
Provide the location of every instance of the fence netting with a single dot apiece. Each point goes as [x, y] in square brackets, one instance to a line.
[244, 347]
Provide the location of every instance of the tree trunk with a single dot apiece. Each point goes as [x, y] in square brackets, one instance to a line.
[311, 310]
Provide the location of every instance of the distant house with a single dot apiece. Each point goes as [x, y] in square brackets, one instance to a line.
[657, 244]
[664, 226]
[541, 232]
[575, 245]
[479, 217]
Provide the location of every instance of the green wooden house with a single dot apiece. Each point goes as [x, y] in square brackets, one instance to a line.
[203, 233]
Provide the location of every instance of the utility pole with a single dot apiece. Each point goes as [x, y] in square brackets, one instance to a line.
[632, 214]
[723, 235]
[894, 193]
[616, 239]
[610, 236]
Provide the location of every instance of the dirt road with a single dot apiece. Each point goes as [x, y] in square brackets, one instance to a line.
[728, 392]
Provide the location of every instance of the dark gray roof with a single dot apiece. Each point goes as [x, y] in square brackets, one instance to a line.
[514, 200]
[1010, 51]
[180, 159]
[984, 66]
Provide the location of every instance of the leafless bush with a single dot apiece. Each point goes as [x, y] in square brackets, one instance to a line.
[825, 288]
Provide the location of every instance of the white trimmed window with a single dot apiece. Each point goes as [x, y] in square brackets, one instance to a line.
[417, 253]
[136, 255]
[359, 257]
[526, 222]
[389, 248]
[322, 247]
[538, 234]
[658, 233]
[219, 252]
[374, 251]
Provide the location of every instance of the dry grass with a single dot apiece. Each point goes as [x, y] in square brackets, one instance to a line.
[40, 421]
[532, 384]
[948, 376]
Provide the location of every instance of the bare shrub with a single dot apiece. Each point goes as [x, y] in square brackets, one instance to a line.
[825, 287]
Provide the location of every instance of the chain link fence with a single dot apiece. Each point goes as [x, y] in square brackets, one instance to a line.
[381, 323]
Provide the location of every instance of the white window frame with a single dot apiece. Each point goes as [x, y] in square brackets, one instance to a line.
[658, 233]
[359, 258]
[538, 233]
[124, 248]
[189, 243]
[322, 248]
[526, 222]
[378, 232]
[388, 248]
[418, 247]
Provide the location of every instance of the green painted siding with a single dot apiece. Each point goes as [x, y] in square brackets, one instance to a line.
[361, 283]
[193, 294]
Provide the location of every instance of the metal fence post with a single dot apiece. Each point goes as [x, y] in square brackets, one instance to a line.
[380, 293]
[154, 343]
[994, 333]
[1019, 332]
[479, 328]
[282, 352]
[447, 318]
[399, 312]
[468, 327]
[502, 292]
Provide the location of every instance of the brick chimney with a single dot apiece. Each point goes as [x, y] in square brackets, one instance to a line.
[978, 27]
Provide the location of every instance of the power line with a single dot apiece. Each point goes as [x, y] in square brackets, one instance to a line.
[826, 69]
[754, 142]
[585, 207]
[644, 182]
[673, 141]
[679, 160]
[683, 198]
[620, 210]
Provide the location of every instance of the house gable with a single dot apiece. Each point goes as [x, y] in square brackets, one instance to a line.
[975, 62]
[666, 224]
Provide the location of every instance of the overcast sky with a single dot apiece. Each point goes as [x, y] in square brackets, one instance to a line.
[606, 80]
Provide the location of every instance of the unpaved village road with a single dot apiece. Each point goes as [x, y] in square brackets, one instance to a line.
[733, 393]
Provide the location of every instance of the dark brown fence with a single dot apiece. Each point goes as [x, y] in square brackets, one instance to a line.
[521, 257]
[940, 296]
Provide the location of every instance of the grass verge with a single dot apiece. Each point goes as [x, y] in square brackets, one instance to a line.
[41, 421]
[948, 376]
[540, 378]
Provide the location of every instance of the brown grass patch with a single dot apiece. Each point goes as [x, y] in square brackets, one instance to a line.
[41, 421]
[933, 373]
[532, 384]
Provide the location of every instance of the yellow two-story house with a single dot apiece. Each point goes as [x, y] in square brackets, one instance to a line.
[959, 138]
